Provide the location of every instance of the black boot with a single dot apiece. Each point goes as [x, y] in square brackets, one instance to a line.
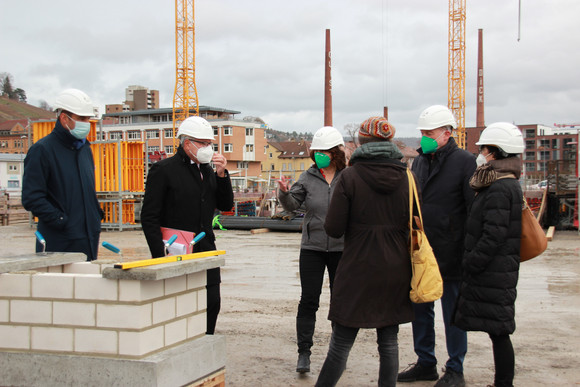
[304, 333]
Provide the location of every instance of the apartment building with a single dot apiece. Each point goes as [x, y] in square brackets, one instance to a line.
[243, 143]
[287, 158]
[136, 98]
[14, 136]
[543, 144]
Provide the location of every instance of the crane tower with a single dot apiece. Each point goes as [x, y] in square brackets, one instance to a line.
[456, 68]
[185, 101]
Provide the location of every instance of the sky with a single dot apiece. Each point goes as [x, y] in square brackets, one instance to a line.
[265, 58]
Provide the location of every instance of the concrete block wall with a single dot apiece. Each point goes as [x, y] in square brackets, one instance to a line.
[72, 309]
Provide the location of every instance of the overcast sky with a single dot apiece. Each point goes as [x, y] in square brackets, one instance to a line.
[266, 57]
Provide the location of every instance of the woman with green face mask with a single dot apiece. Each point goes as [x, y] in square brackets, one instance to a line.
[318, 251]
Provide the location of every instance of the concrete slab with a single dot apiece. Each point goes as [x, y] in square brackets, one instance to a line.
[37, 260]
[177, 366]
[165, 270]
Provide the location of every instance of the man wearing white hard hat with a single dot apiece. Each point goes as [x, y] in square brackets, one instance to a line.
[182, 192]
[59, 180]
[443, 171]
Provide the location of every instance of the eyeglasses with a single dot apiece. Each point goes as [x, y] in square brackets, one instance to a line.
[203, 143]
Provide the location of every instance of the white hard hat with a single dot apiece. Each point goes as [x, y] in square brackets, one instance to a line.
[196, 127]
[435, 117]
[75, 101]
[503, 135]
[326, 138]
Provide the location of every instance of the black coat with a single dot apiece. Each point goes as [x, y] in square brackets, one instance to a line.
[491, 261]
[370, 207]
[59, 188]
[443, 178]
[176, 197]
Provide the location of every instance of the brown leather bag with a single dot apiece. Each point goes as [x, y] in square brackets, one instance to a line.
[533, 241]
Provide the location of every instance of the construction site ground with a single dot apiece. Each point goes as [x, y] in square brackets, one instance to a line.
[261, 288]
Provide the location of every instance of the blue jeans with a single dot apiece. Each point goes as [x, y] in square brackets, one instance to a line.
[341, 343]
[424, 330]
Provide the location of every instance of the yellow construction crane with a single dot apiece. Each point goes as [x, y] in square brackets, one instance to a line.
[185, 101]
[456, 68]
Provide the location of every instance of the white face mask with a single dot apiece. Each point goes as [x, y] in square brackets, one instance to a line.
[205, 154]
[481, 159]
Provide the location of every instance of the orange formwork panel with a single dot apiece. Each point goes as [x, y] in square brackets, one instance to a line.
[119, 166]
[42, 129]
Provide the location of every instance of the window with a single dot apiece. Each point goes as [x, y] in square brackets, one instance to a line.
[13, 168]
[530, 144]
[555, 155]
[228, 147]
[249, 131]
[115, 135]
[301, 166]
[530, 167]
[284, 166]
[216, 147]
[544, 143]
[542, 166]
[266, 150]
[153, 148]
[216, 131]
[228, 131]
[544, 155]
[169, 149]
[566, 142]
[13, 184]
[134, 135]
[271, 155]
[100, 136]
[530, 155]
[530, 133]
[168, 133]
[249, 147]
[152, 134]
[243, 165]
[554, 143]
[272, 167]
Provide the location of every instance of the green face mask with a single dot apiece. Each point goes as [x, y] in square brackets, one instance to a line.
[429, 145]
[322, 160]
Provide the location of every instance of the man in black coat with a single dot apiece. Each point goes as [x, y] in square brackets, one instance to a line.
[59, 180]
[182, 192]
[443, 171]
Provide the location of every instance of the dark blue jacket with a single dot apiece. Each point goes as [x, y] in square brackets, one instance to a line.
[59, 188]
[443, 178]
[177, 197]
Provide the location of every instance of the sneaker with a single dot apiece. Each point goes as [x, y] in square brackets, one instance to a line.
[416, 371]
[451, 379]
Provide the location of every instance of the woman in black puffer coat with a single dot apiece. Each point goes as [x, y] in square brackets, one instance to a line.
[492, 246]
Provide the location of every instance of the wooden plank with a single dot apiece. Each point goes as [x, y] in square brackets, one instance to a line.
[550, 233]
[259, 230]
[217, 379]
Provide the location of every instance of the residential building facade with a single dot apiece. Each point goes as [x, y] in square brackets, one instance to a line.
[11, 170]
[542, 145]
[243, 143]
[14, 136]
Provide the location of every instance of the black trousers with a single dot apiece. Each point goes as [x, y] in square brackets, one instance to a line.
[213, 306]
[312, 266]
[504, 360]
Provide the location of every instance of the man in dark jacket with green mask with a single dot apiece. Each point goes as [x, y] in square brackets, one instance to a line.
[59, 180]
[443, 171]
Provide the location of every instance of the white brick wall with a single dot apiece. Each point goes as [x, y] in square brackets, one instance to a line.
[196, 280]
[53, 285]
[196, 325]
[70, 313]
[95, 287]
[52, 339]
[175, 285]
[123, 316]
[74, 313]
[14, 337]
[95, 341]
[15, 285]
[141, 343]
[32, 312]
[163, 310]
[175, 332]
[4, 311]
